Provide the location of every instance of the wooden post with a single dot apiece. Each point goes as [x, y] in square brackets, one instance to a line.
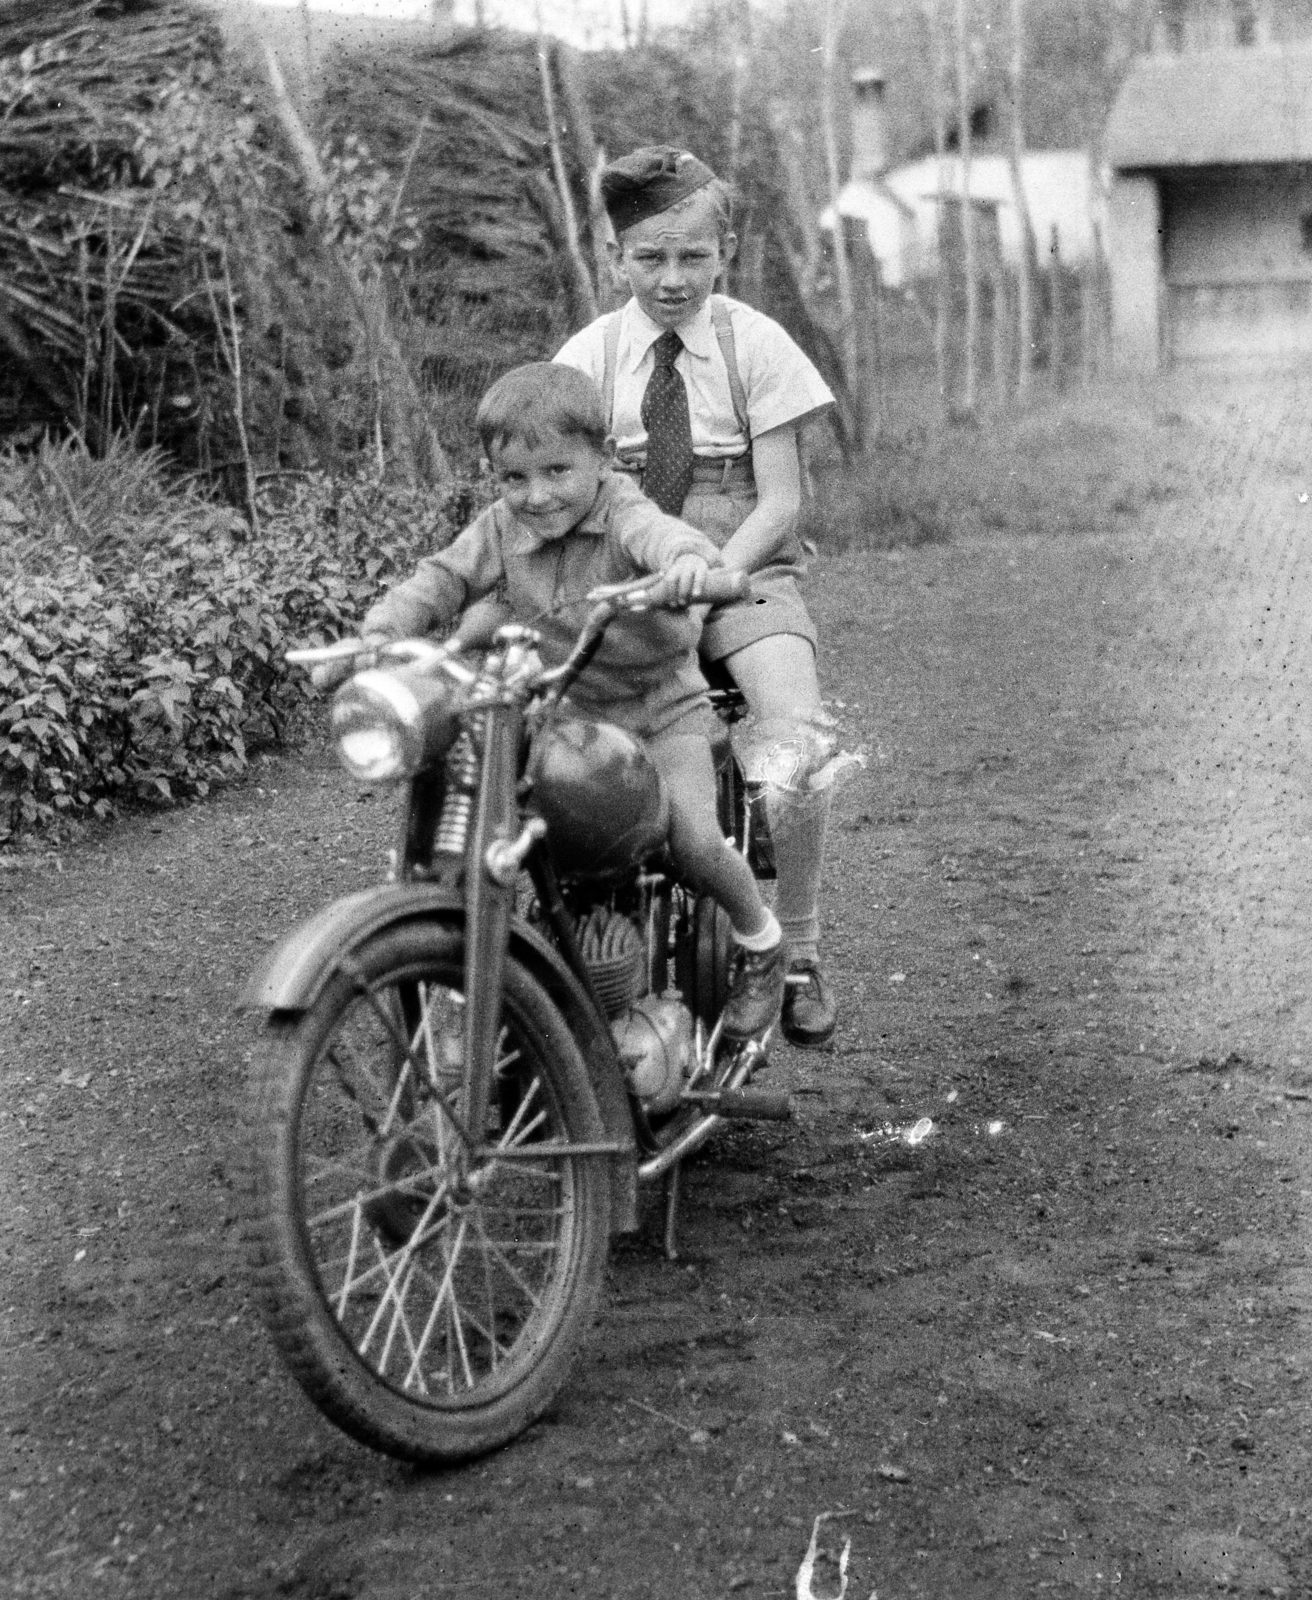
[941, 280]
[999, 308]
[1056, 321]
[1025, 266]
[1088, 320]
[849, 333]
[969, 265]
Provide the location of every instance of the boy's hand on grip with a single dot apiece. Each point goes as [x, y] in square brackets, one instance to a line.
[327, 675]
[686, 576]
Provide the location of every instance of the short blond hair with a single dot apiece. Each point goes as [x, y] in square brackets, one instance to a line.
[539, 398]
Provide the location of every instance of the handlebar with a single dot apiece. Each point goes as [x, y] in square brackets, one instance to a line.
[720, 586]
[331, 663]
[725, 586]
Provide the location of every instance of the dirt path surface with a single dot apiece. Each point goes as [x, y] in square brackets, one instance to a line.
[1059, 1347]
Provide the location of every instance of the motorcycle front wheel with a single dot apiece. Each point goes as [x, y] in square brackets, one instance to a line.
[429, 1285]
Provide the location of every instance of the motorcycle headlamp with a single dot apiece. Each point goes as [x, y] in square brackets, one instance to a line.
[391, 724]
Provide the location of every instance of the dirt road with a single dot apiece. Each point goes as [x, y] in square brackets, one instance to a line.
[1060, 1347]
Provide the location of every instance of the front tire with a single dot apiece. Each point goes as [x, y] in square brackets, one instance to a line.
[429, 1302]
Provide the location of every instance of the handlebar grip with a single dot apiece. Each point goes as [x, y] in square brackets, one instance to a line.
[723, 586]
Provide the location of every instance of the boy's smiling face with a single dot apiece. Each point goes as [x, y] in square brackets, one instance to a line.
[550, 485]
[671, 261]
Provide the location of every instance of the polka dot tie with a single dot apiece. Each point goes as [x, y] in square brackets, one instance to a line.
[668, 475]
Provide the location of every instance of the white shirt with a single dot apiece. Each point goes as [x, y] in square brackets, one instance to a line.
[780, 383]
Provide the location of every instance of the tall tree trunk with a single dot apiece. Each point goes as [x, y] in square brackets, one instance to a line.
[415, 445]
[942, 304]
[738, 47]
[591, 160]
[801, 245]
[849, 333]
[1028, 252]
[969, 383]
[585, 293]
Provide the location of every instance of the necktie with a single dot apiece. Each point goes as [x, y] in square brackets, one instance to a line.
[668, 475]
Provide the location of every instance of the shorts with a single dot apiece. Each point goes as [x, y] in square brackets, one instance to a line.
[776, 605]
[676, 705]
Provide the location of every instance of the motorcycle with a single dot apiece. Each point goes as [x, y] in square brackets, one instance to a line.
[468, 1071]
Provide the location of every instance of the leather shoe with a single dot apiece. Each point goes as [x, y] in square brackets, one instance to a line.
[809, 1013]
[756, 991]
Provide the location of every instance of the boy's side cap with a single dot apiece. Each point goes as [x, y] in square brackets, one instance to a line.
[650, 180]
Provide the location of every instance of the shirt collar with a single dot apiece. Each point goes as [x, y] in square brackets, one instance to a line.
[521, 541]
[697, 333]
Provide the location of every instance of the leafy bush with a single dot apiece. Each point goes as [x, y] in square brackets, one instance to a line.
[151, 682]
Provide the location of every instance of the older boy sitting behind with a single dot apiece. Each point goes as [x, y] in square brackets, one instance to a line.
[705, 397]
[563, 525]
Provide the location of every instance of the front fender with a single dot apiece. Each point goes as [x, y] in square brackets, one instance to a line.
[295, 973]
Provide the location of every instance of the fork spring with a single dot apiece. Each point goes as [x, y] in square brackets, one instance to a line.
[458, 804]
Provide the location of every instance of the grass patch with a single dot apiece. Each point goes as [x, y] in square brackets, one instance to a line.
[116, 509]
[1077, 463]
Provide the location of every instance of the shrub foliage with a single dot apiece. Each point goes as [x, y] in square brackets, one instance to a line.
[153, 680]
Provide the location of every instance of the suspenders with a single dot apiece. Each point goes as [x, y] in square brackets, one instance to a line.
[724, 337]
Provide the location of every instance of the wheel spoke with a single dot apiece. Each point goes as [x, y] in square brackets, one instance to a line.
[455, 1263]
[498, 1254]
[407, 1187]
[512, 1133]
[454, 1323]
[356, 1220]
[444, 1288]
[407, 1049]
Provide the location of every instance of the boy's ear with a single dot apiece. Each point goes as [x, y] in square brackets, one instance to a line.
[615, 256]
[728, 248]
[608, 453]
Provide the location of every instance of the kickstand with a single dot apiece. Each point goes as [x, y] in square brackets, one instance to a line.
[672, 1212]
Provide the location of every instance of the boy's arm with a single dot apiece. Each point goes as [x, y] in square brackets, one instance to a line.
[440, 586]
[655, 540]
[430, 599]
[769, 526]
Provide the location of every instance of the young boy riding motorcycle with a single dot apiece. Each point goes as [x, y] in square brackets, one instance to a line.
[565, 524]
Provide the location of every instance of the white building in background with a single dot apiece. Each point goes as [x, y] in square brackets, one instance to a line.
[901, 205]
[1066, 199]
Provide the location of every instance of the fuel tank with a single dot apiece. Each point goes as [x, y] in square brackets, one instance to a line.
[603, 801]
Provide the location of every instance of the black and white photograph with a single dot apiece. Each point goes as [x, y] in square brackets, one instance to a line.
[655, 799]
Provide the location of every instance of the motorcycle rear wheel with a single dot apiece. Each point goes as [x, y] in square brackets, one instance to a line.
[429, 1313]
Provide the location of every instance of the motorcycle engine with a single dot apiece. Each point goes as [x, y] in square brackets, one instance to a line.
[656, 1045]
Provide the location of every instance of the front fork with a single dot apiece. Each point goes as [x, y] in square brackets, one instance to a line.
[491, 864]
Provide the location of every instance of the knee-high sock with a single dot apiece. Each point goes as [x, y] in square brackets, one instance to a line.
[799, 822]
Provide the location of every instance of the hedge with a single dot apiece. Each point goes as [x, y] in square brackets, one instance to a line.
[156, 684]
